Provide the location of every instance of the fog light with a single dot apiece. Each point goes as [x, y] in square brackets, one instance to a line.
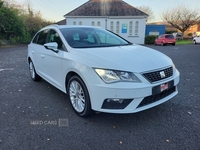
[116, 103]
[115, 100]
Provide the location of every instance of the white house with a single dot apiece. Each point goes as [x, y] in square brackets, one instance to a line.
[114, 15]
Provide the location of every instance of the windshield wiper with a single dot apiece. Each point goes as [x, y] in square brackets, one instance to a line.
[126, 44]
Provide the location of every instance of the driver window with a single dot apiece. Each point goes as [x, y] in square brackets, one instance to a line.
[53, 36]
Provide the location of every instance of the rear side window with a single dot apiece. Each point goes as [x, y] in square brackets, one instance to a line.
[161, 36]
[42, 36]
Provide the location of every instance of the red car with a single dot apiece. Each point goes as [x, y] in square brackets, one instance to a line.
[165, 39]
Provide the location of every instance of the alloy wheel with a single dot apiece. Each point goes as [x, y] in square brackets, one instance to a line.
[77, 96]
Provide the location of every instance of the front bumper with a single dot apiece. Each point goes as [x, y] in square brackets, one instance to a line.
[139, 96]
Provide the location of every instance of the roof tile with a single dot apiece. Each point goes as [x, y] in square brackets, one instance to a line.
[106, 8]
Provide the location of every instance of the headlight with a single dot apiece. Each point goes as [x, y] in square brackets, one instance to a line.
[110, 76]
[173, 65]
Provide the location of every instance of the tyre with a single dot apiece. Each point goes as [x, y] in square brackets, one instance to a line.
[173, 44]
[194, 42]
[162, 44]
[33, 73]
[79, 96]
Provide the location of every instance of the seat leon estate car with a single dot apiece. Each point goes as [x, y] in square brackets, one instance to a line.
[165, 39]
[100, 71]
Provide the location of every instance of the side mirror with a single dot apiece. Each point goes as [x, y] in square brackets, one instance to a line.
[52, 46]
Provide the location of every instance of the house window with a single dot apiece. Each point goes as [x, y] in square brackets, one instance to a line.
[130, 27]
[136, 27]
[74, 23]
[117, 27]
[98, 23]
[93, 24]
[80, 23]
[112, 26]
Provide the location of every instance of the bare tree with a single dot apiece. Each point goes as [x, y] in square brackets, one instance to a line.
[181, 17]
[148, 11]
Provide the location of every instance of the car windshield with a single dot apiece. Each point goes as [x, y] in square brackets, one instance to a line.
[169, 36]
[92, 37]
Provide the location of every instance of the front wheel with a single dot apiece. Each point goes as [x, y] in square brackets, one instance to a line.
[194, 42]
[79, 96]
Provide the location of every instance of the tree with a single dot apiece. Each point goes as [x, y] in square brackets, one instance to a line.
[11, 25]
[18, 23]
[181, 17]
[148, 11]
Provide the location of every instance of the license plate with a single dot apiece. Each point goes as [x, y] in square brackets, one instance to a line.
[164, 86]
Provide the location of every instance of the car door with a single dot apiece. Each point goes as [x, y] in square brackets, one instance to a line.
[158, 40]
[37, 49]
[162, 38]
[52, 61]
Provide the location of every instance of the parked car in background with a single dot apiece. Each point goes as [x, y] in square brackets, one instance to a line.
[177, 35]
[101, 71]
[165, 39]
[196, 39]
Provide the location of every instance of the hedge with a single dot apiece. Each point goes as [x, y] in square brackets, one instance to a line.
[149, 39]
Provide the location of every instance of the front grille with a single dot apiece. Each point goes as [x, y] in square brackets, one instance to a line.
[157, 97]
[155, 76]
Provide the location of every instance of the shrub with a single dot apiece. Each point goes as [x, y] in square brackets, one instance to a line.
[190, 34]
[149, 39]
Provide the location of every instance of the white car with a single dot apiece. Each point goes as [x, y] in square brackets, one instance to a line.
[101, 71]
[196, 39]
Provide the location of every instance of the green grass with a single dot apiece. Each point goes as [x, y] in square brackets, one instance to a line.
[184, 41]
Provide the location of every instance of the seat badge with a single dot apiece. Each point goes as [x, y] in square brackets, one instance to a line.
[162, 74]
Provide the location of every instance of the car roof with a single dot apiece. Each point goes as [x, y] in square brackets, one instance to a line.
[68, 26]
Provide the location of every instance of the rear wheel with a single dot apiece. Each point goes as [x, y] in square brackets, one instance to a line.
[79, 96]
[33, 73]
[194, 42]
[173, 44]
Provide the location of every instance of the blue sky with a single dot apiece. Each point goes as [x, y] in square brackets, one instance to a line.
[54, 10]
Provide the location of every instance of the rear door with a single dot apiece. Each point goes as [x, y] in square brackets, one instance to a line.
[37, 50]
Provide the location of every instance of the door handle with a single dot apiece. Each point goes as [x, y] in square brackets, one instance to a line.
[42, 56]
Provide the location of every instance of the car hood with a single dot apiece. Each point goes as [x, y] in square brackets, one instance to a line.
[132, 58]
